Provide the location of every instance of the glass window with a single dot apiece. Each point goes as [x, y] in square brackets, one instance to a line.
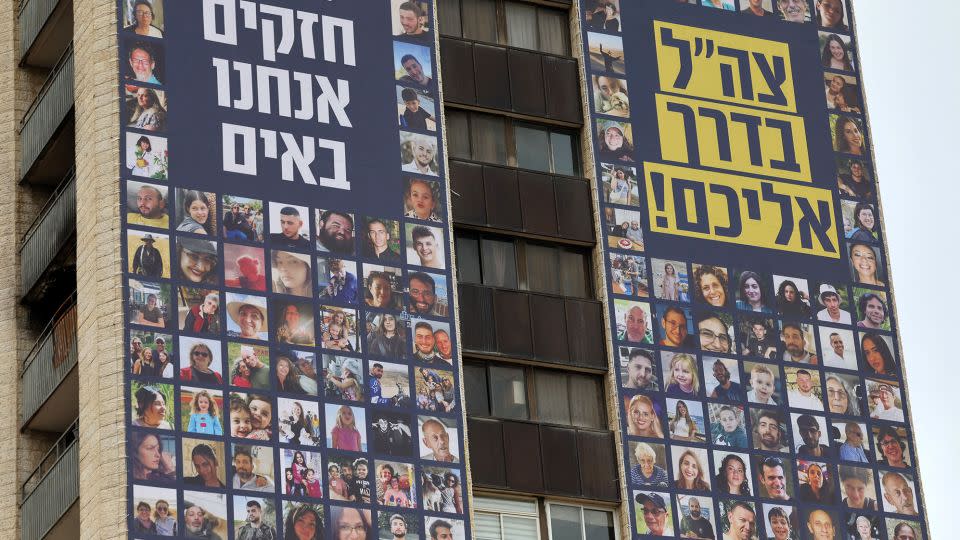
[563, 151]
[475, 382]
[553, 400]
[586, 392]
[554, 31]
[479, 20]
[458, 133]
[499, 263]
[598, 525]
[542, 275]
[468, 258]
[533, 148]
[503, 519]
[508, 393]
[448, 17]
[573, 273]
[521, 25]
[578, 523]
[488, 138]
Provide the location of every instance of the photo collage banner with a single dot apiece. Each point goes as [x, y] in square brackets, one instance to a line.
[761, 392]
[292, 368]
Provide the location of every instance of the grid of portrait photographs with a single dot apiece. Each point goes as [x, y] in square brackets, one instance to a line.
[292, 367]
[755, 404]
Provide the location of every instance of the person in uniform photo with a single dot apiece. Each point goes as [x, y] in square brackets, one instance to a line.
[256, 528]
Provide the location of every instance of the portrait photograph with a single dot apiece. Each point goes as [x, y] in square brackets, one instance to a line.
[349, 518]
[144, 60]
[899, 493]
[903, 529]
[416, 110]
[722, 379]
[878, 354]
[289, 226]
[347, 477]
[653, 513]
[648, 465]
[832, 14]
[380, 240]
[820, 523]
[728, 425]
[427, 294]
[337, 280]
[854, 178]
[872, 309]
[396, 484]
[639, 369]
[411, 18]
[153, 510]
[435, 390]
[774, 477]
[885, 400]
[696, 516]
[810, 435]
[298, 421]
[407, 525]
[204, 514]
[866, 264]
[392, 433]
[201, 410]
[249, 365]
[196, 212]
[143, 17]
[247, 316]
[817, 481]
[148, 254]
[148, 204]
[197, 261]
[253, 515]
[343, 378]
[836, 52]
[606, 53]
[843, 391]
[432, 342]
[715, 332]
[338, 329]
[149, 304]
[302, 472]
[413, 65]
[296, 372]
[892, 445]
[251, 416]
[615, 141]
[620, 184]
[426, 246]
[764, 384]
[293, 322]
[389, 384]
[418, 154]
[861, 526]
[451, 528]
[711, 285]
[633, 321]
[728, 5]
[145, 108]
[386, 335]
[292, 273]
[842, 92]
[335, 232]
[423, 200]
[798, 343]
[146, 156]
[857, 489]
[758, 8]
[242, 219]
[152, 405]
[738, 520]
[643, 416]
[602, 15]
[437, 439]
[848, 135]
[442, 490]
[624, 230]
[732, 473]
[152, 456]
[198, 311]
[852, 440]
[797, 11]
[675, 327]
[769, 431]
[686, 420]
[792, 296]
[670, 280]
[803, 388]
[610, 96]
[629, 275]
[204, 463]
[758, 336]
[780, 522]
[201, 361]
[754, 292]
[831, 302]
[345, 427]
[304, 520]
[151, 354]
[690, 470]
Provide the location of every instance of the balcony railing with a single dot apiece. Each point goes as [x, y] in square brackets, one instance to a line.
[50, 361]
[52, 488]
[53, 228]
[45, 29]
[532, 326]
[531, 202]
[542, 458]
[42, 122]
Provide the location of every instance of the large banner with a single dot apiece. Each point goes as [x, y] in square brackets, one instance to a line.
[293, 369]
[761, 392]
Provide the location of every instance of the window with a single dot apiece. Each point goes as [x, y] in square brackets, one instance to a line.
[557, 396]
[515, 263]
[503, 141]
[504, 519]
[579, 523]
[507, 22]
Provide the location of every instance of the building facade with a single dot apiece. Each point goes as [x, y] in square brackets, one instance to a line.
[557, 306]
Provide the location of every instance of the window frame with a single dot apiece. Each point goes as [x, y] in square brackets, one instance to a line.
[500, 8]
[548, 513]
[537, 516]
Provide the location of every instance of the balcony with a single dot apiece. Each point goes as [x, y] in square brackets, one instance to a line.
[543, 459]
[43, 256]
[46, 132]
[49, 380]
[532, 326]
[46, 28]
[49, 508]
[521, 81]
[534, 203]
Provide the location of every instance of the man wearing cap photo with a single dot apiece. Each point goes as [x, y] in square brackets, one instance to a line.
[654, 512]
[886, 408]
[147, 260]
[831, 311]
